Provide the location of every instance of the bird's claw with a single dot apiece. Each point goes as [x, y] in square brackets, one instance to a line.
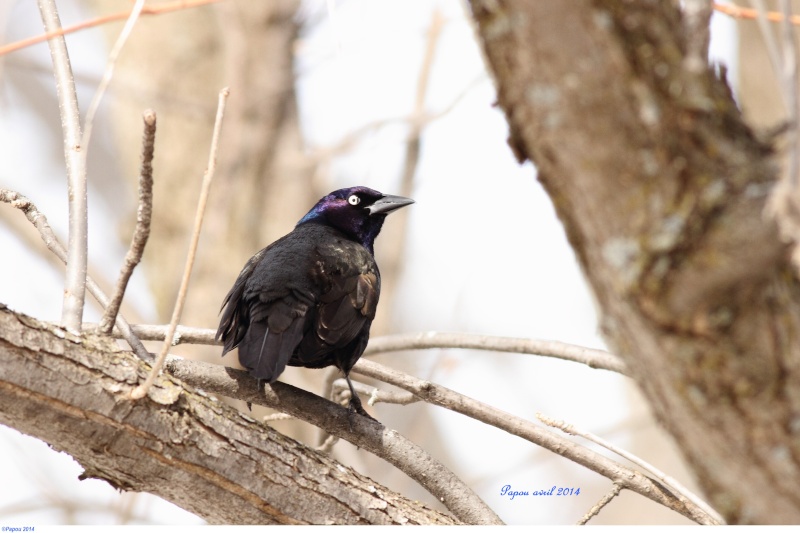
[356, 407]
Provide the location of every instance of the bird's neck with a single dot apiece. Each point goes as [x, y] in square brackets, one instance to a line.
[362, 231]
[369, 232]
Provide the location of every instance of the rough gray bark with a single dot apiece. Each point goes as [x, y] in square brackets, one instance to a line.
[73, 393]
[661, 187]
[339, 422]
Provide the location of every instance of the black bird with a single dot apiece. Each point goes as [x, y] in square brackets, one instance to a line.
[308, 299]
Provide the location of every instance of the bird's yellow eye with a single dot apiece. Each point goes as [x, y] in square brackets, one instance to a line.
[353, 200]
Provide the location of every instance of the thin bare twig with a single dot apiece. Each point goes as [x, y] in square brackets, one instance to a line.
[616, 472]
[39, 221]
[331, 375]
[677, 488]
[141, 391]
[789, 83]
[35, 217]
[771, 43]
[374, 394]
[276, 416]
[429, 340]
[103, 19]
[182, 334]
[732, 10]
[788, 194]
[122, 325]
[327, 444]
[346, 143]
[418, 116]
[75, 280]
[20, 227]
[88, 123]
[340, 422]
[784, 201]
[433, 339]
[605, 500]
[143, 216]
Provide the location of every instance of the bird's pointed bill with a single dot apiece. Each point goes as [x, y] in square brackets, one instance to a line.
[389, 203]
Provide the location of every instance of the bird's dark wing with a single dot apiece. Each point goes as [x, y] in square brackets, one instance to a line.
[235, 315]
[344, 309]
[344, 312]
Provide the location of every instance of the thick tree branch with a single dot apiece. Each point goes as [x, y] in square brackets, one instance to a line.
[343, 424]
[176, 443]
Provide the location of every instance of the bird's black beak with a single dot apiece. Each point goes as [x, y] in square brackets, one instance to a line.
[388, 203]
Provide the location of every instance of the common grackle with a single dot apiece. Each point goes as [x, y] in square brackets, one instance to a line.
[308, 299]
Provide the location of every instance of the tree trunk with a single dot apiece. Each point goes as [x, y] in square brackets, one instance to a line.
[74, 393]
[661, 188]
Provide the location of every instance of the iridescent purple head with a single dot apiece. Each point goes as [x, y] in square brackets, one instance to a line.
[358, 212]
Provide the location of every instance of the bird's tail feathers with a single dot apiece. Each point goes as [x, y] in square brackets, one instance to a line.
[233, 324]
[266, 353]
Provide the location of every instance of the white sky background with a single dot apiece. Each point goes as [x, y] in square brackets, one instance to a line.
[486, 253]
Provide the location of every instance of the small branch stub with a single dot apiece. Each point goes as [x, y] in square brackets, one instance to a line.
[142, 230]
[141, 391]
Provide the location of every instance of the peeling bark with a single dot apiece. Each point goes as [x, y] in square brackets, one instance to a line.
[661, 187]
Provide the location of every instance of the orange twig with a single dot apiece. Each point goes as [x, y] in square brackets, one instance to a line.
[103, 19]
[752, 14]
